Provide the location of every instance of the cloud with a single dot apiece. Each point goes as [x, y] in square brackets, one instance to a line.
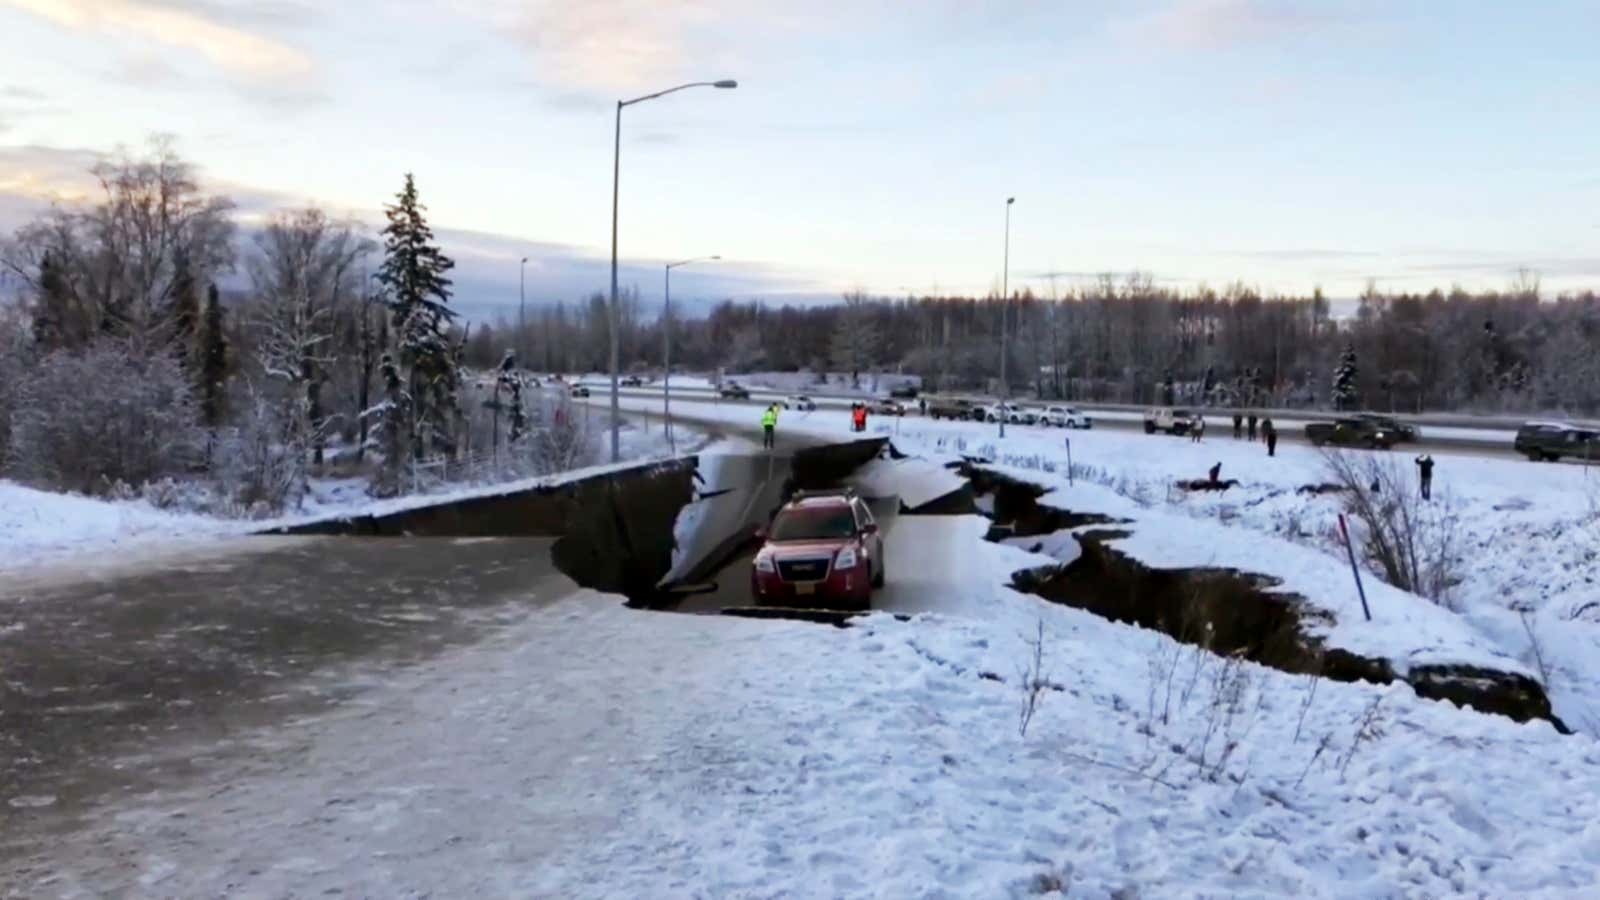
[198, 27]
[1221, 24]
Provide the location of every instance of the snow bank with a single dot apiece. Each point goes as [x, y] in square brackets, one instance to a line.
[41, 527]
[915, 481]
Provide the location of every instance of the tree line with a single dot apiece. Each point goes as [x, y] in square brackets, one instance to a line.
[127, 367]
[1128, 340]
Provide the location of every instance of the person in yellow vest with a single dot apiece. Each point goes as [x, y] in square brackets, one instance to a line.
[769, 425]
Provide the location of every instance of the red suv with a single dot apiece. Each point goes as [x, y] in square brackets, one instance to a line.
[823, 549]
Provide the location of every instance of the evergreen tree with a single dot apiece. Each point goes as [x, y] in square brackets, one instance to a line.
[50, 310]
[1345, 394]
[394, 417]
[413, 275]
[185, 311]
[213, 359]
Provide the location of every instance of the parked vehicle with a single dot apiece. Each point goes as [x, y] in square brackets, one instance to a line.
[905, 392]
[732, 391]
[887, 407]
[1011, 412]
[1550, 441]
[1408, 433]
[1169, 419]
[954, 408]
[823, 549]
[1351, 432]
[800, 402]
[579, 390]
[1065, 417]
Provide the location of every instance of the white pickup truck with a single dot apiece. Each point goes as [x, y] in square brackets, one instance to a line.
[1172, 420]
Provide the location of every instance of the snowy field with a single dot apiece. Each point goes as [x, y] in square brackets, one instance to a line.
[1527, 535]
[769, 759]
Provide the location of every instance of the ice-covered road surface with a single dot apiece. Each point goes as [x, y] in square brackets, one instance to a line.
[132, 677]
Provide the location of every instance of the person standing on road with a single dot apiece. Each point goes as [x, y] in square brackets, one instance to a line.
[860, 417]
[769, 426]
[1238, 426]
[922, 405]
[1198, 429]
[1270, 432]
[1425, 474]
[1253, 426]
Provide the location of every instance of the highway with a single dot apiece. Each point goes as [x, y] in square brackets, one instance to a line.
[1489, 442]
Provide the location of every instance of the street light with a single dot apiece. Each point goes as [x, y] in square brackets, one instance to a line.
[616, 180]
[1005, 302]
[522, 313]
[666, 346]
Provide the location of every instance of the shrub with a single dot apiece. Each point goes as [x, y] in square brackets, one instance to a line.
[1411, 543]
[85, 420]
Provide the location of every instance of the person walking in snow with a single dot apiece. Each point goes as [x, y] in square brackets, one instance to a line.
[1238, 425]
[1270, 432]
[1253, 426]
[1425, 475]
[1198, 429]
[769, 426]
[859, 417]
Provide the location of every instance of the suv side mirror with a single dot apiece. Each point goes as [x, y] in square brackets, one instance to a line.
[870, 528]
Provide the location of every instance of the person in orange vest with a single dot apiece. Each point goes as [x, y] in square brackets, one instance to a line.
[859, 417]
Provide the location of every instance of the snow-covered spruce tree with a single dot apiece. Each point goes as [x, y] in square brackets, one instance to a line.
[213, 361]
[1345, 393]
[392, 417]
[413, 276]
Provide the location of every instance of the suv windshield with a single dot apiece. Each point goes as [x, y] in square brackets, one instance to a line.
[814, 524]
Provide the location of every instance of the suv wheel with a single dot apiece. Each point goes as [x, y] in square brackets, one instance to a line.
[1149, 428]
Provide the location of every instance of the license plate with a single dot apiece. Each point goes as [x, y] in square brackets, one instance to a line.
[804, 588]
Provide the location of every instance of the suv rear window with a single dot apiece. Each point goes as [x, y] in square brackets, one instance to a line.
[815, 523]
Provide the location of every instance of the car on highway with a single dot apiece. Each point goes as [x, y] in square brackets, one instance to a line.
[823, 549]
[1550, 441]
[905, 392]
[579, 390]
[632, 381]
[957, 408]
[1011, 412]
[887, 407]
[800, 402]
[1407, 432]
[732, 391]
[1172, 420]
[1065, 417]
[1353, 431]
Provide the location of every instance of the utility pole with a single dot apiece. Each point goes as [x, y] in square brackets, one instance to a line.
[1005, 304]
[616, 180]
[522, 312]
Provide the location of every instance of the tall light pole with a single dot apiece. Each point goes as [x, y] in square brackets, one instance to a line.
[666, 345]
[522, 313]
[616, 180]
[1005, 303]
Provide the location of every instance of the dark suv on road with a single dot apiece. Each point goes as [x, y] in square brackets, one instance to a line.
[1550, 441]
[1407, 433]
[823, 550]
[731, 391]
[1352, 432]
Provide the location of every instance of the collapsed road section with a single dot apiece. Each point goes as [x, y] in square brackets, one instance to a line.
[1160, 572]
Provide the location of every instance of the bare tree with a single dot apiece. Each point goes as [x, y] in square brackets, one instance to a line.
[121, 264]
[303, 268]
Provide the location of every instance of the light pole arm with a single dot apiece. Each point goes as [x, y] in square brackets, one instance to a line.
[673, 90]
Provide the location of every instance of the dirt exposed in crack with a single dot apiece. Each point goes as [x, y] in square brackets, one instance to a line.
[1226, 611]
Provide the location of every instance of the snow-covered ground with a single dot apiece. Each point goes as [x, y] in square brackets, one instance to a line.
[597, 751]
[1528, 534]
[48, 529]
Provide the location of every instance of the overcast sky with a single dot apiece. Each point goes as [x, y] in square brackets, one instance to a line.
[1418, 142]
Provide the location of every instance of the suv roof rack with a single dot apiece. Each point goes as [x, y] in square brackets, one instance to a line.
[824, 492]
